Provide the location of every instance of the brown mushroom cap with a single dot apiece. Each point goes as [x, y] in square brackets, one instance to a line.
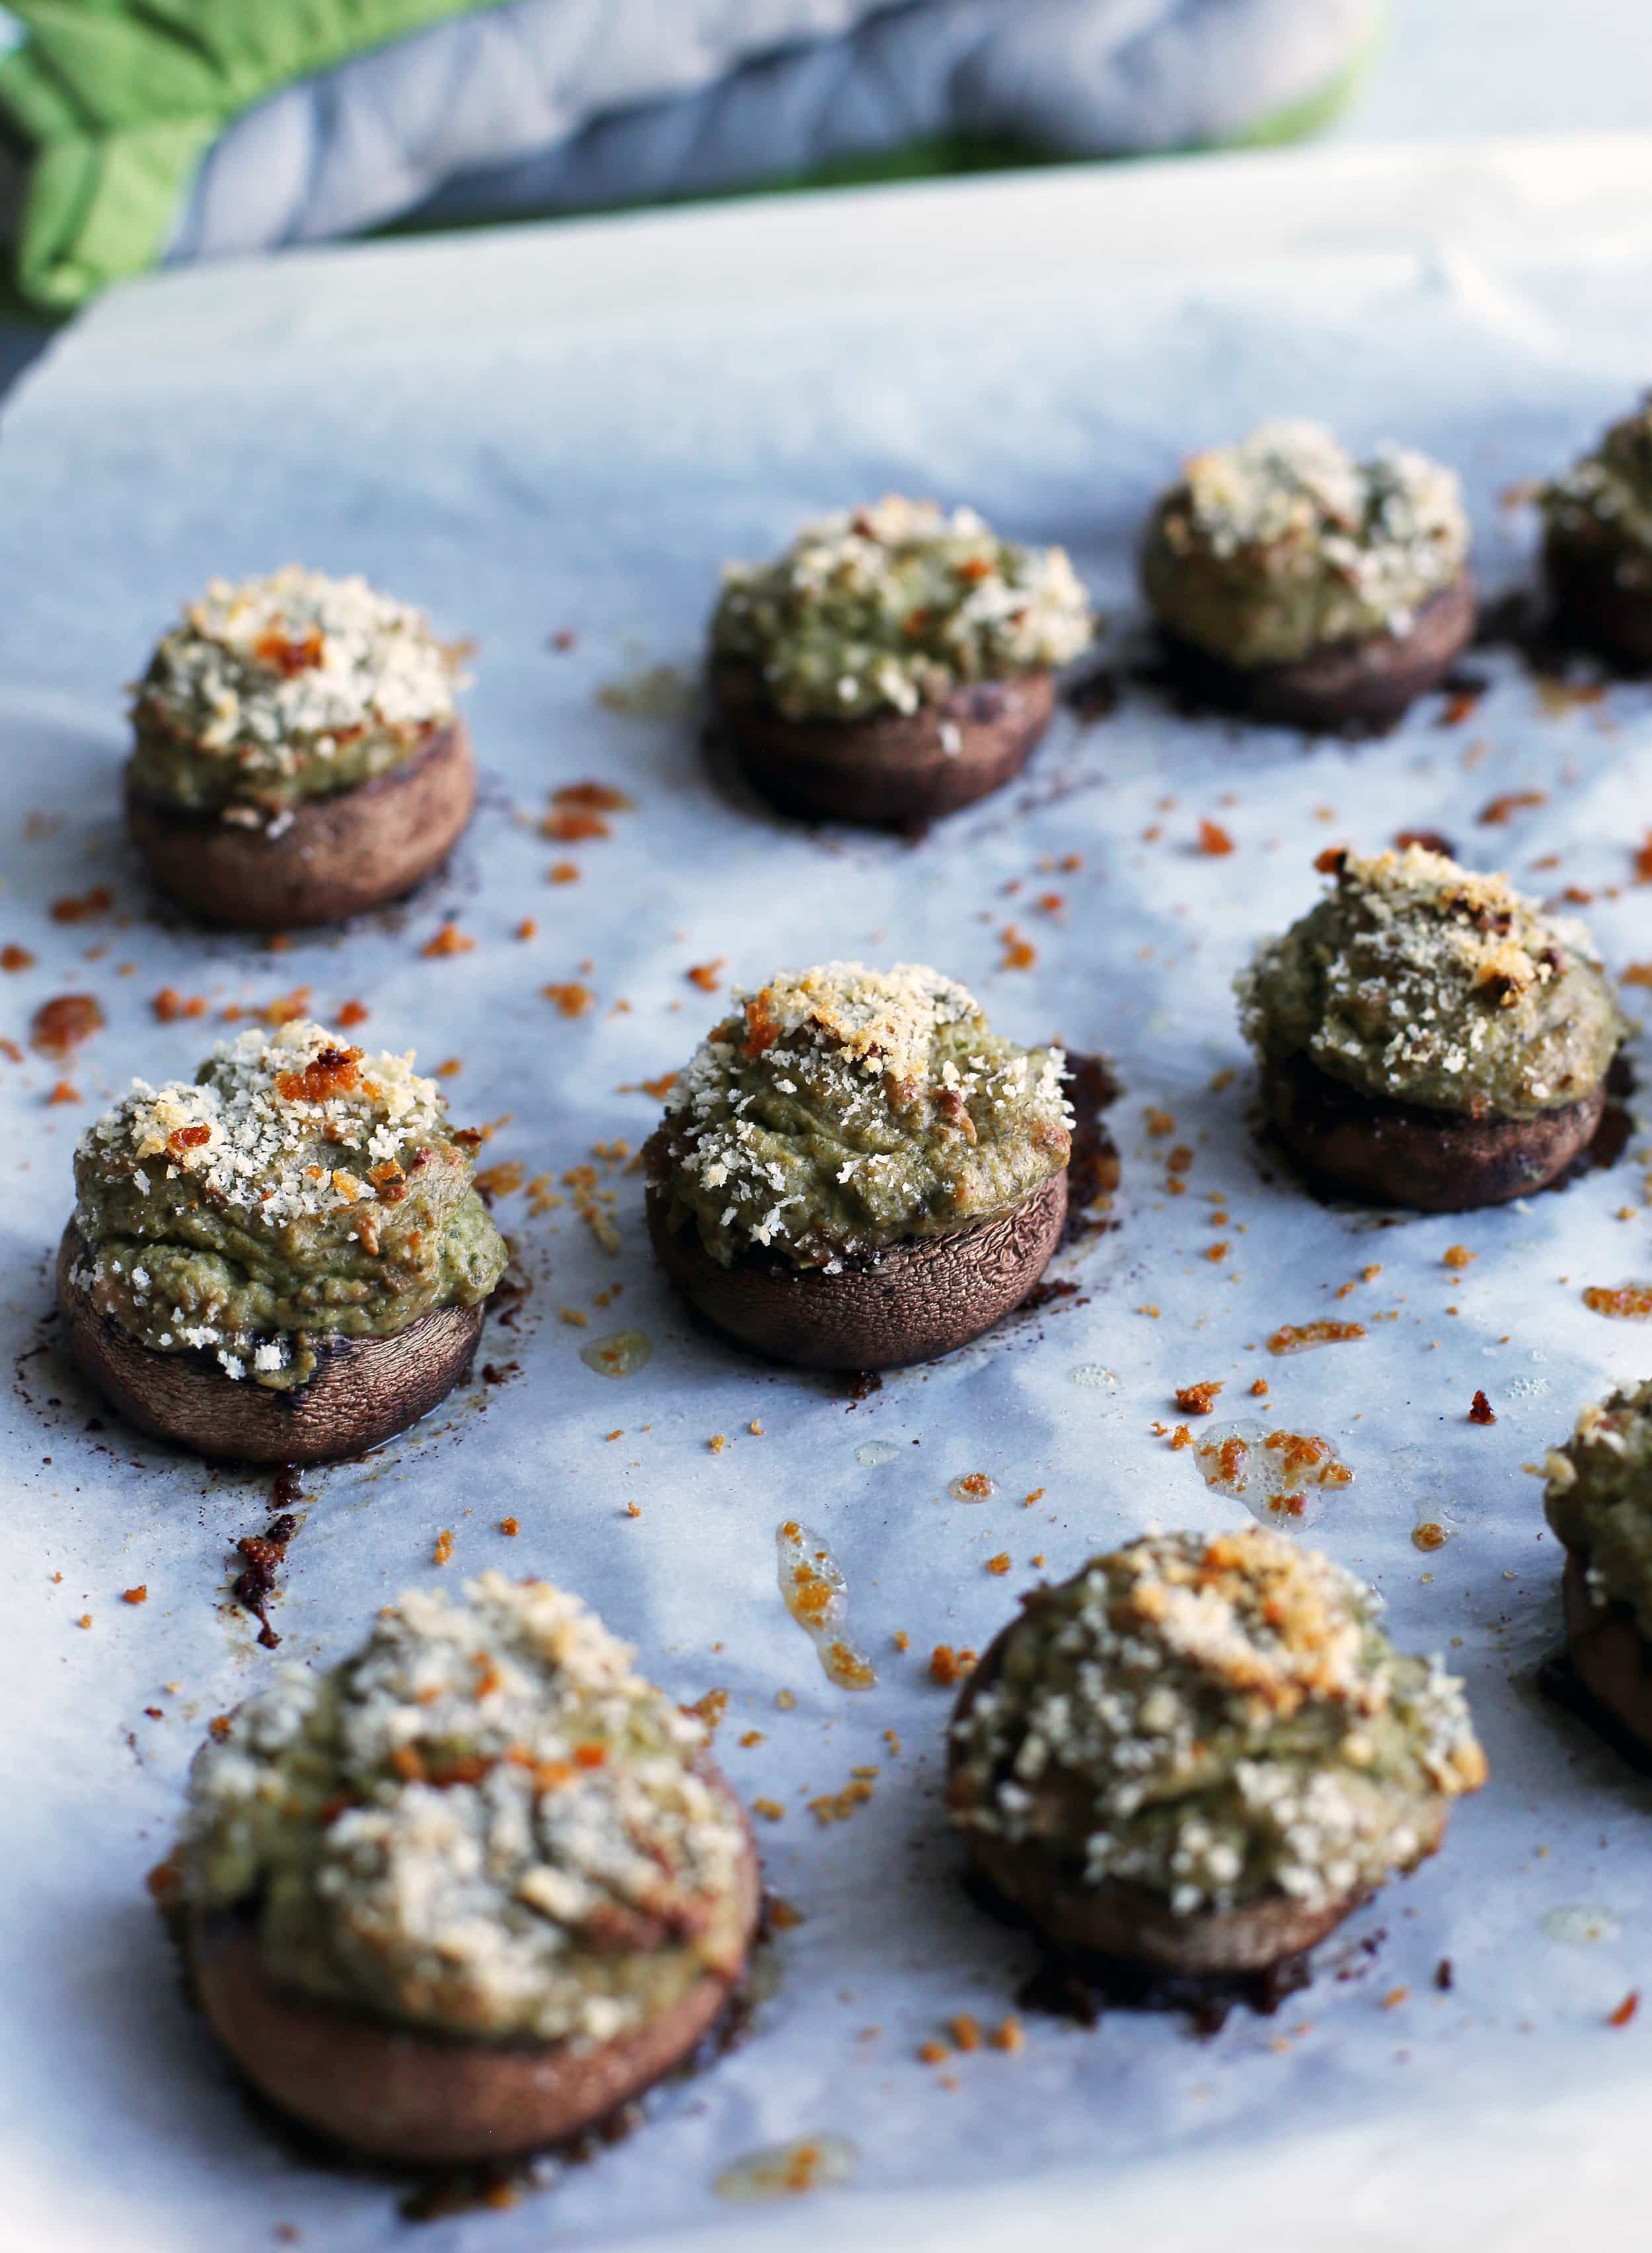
[1609, 1652]
[337, 857]
[1405, 1153]
[889, 768]
[1362, 683]
[925, 1296]
[1131, 1922]
[1593, 601]
[362, 1391]
[419, 2097]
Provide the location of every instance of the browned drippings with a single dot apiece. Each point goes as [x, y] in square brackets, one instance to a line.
[263, 1554]
[817, 1595]
[1077, 1984]
[1092, 1167]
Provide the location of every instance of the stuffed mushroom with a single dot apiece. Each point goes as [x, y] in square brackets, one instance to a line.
[283, 1260]
[298, 756]
[855, 1170]
[1427, 1037]
[1201, 1753]
[471, 1890]
[1596, 545]
[1295, 585]
[894, 664]
[1598, 1502]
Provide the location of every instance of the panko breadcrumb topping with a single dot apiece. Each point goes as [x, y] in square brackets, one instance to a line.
[1215, 1718]
[486, 1822]
[1421, 980]
[841, 1109]
[1599, 1497]
[285, 686]
[1284, 542]
[893, 605]
[297, 1185]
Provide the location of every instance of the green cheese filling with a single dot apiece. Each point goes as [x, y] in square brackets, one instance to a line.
[1219, 1719]
[1271, 549]
[891, 607]
[295, 1190]
[1418, 980]
[844, 1109]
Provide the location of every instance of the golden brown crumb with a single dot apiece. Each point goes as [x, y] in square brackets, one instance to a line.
[511, 1526]
[449, 940]
[562, 872]
[933, 2052]
[1198, 1399]
[1293, 1337]
[1481, 1409]
[999, 1564]
[1214, 839]
[755, 1430]
[1260, 1389]
[449, 1068]
[901, 1639]
[1181, 1438]
[527, 929]
[574, 1318]
[947, 1666]
[785, 1700]
[770, 1810]
[1161, 1122]
[1007, 2035]
[571, 998]
[1019, 953]
[1457, 1255]
[1394, 1997]
[966, 2030]
[838, 1806]
[717, 1442]
[1181, 1159]
[751, 1737]
[443, 1550]
[138, 1595]
[632, 1510]
[705, 974]
[85, 1620]
[1626, 2009]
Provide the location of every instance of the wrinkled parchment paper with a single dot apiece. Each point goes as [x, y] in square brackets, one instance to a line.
[563, 432]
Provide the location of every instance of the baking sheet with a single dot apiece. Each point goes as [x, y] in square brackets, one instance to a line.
[567, 430]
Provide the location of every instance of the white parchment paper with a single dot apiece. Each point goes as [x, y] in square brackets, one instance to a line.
[568, 430]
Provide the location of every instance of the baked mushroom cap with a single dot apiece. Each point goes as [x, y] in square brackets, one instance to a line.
[855, 1170]
[283, 1260]
[1201, 1754]
[361, 1391]
[1429, 1161]
[886, 769]
[894, 663]
[913, 1302]
[1363, 683]
[322, 860]
[471, 1891]
[1428, 1036]
[1598, 542]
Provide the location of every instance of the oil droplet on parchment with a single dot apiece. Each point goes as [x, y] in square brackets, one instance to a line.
[971, 1486]
[787, 2170]
[1279, 1476]
[876, 1451]
[1579, 1927]
[621, 1355]
[817, 1595]
[1092, 1374]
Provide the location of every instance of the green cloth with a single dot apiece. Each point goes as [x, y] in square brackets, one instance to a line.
[123, 98]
